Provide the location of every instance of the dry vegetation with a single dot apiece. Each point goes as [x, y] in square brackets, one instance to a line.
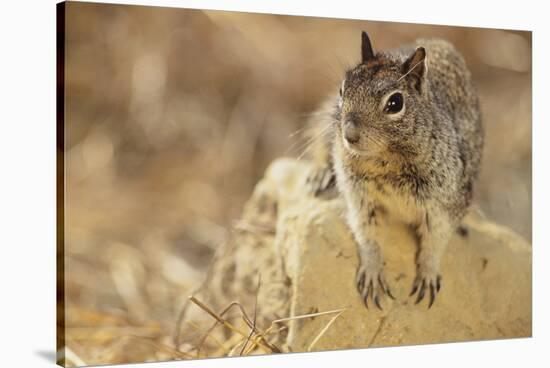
[173, 115]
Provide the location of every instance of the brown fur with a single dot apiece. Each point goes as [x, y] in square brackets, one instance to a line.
[417, 165]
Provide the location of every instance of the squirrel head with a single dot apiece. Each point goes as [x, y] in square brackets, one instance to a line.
[381, 100]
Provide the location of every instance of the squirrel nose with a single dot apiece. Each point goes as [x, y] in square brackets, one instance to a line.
[351, 137]
[351, 132]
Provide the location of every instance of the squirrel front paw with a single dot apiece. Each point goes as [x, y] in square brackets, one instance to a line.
[427, 279]
[371, 282]
[320, 180]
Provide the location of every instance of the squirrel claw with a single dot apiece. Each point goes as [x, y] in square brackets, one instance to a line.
[422, 285]
[377, 302]
[421, 292]
[372, 287]
[432, 296]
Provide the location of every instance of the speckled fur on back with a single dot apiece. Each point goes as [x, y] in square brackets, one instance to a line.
[405, 143]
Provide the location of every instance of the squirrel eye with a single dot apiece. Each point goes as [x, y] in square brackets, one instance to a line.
[394, 104]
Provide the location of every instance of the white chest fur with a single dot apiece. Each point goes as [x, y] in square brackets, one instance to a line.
[362, 195]
[393, 205]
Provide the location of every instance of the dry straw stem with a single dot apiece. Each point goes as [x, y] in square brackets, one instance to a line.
[181, 316]
[322, 332]
[310, 315]
[255, 341]
[159, 346]
[253, 327]
[249, 337]
[270, 348]
[246, 320]
[251, 324]
[212, 337]
[177, 333]
[255, 337]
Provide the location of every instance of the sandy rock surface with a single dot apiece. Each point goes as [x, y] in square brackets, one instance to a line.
[306, 256]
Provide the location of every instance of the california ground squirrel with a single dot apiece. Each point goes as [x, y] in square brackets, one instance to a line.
[404, 142]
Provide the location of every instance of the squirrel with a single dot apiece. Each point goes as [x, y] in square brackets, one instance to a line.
[402, 141]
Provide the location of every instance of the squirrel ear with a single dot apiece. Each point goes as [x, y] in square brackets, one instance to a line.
[366, 48]
[416, 68]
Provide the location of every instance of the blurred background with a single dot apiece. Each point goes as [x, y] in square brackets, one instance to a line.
[172, 116]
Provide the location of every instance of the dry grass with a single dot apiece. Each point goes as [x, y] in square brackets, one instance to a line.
[257, 338]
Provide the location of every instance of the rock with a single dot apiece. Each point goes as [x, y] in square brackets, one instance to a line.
[307, 259]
